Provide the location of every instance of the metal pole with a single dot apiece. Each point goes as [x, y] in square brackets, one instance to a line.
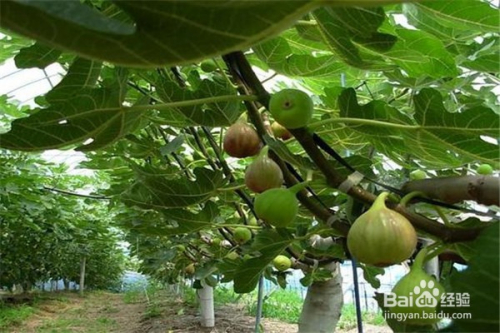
[260, 296]
[356, 299]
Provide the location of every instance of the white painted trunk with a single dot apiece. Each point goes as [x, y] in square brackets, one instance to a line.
[206, 298]
[323, 304]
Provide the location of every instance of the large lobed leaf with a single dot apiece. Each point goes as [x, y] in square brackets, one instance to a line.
[156, 32]
[436, 136]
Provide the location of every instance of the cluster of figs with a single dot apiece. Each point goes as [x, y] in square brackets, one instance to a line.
[382, 237]
[278, 206]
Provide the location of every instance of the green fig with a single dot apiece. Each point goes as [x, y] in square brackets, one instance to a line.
[278, 206]
[263, 173]
[417, 295]
[242, 235]
[381, 237]
[418, 175]
[292, 108]
[282, 263]
[484, 169]
[208, 66]
[232, 255]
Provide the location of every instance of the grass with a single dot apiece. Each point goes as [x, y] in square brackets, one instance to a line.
[14, 315]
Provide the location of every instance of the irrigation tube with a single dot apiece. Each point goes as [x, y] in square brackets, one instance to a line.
[260, 297]
[356, 294]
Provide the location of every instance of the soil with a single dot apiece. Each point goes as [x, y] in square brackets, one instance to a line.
[102, 312]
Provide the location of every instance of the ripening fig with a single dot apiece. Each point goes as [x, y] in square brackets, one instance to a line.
[380, 236]
[280, 131]
[263, 173]
[291, 108]
[208, 66]
[242, 235]
[484, 169]
[282, 263]
[241, 140]
[189, 270]
[417, 294]
[278, 206]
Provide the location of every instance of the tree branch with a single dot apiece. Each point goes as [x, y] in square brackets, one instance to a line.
[334, 179]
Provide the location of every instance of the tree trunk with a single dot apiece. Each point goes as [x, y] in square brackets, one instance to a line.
[206, 298]
[66, 284]
[82, 275]
[323, 304]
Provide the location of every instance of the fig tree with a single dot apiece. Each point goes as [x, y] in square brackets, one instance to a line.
[380, 236]
[291, 108]
[417, 295]
[263, 173]
[241, 140]
[278, 206]
[282, 263]
[242, 235]
[484, 169]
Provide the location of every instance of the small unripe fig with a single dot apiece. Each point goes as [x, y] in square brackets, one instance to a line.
[263, 173]
[242, 235]
[380, 236]
[418, 175]
[291, 108]
[241, 140]
[280, 131]
[252, 220]
[232, 255]
[282, 263]
[278, 206]
[208, 66]
[417, 294]
[189, 270]
[484, 169]
[216, 241]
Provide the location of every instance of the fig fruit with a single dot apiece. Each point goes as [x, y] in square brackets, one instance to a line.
[278, 206]
[241, 140]
[252, 221]
[417, 294]
[484, 169]
[280, 131]
[208, 66]
[189, 270]
[418, 175]
[263, 173]
[380, 236]
[291, 108]
[242, 235]
[232, 255]
[216, 241]
[282, 263]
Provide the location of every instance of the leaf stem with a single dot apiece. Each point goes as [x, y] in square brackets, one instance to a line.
[191, 102]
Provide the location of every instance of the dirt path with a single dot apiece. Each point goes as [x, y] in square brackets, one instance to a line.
[101, 312]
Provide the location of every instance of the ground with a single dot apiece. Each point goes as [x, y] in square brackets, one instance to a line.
[103, 312]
